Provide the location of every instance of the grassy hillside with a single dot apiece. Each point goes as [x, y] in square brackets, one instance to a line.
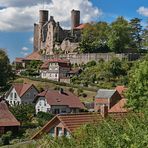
[88, 93]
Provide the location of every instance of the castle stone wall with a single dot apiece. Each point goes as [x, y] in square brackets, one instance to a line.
[85, 58]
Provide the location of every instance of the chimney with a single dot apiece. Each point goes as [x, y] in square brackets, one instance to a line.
[104, 111]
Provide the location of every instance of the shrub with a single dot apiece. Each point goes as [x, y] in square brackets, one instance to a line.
[6, 138]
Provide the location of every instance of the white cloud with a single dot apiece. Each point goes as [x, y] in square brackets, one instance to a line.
[143, 11]
[20, 16]
[24, 53]
[25, 48]
[20, 3]
[31, 40]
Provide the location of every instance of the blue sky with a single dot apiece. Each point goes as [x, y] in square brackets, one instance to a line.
[16, 29]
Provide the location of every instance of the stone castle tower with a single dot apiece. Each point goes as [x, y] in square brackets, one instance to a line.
[49, 35]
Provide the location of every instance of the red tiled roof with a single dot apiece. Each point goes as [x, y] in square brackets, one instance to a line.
[19, 60]
[119, 106]
[34, 56]
[73, 121]
[121, 89]
[6, 117]
[21, 88]
[54, 97]
[62, 61]
[81, 26]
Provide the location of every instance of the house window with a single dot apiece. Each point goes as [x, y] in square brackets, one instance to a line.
[38, 110]
[56, 111]
[11, 95]
[15, 96]
[55, 75]
[59, 131]
[40, 103]
[51, 132]
[63, 110]
[28, 95]
[48, 109]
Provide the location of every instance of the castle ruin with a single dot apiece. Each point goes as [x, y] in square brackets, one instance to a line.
[49, 35]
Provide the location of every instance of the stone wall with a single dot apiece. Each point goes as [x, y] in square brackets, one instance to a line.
[85, 58]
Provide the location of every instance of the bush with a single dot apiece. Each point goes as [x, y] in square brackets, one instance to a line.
[6, 138]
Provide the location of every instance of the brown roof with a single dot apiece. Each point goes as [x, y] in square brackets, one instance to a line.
[73, 121]
[6, 117]
[20, 88]
[19, 60]
[81, 26]
[34, 56]
[61, 61]
[121, 89]
[54, 97]
[120, 105]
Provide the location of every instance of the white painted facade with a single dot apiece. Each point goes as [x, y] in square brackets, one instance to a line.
[27, 98]
[13, 98]
[42, 105]
[54, 72]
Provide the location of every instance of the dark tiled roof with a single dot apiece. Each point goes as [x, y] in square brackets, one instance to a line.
[54, 97]
[6, 117]
[105, 93]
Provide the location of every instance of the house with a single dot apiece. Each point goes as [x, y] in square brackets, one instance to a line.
[66, 124]
[21, 93]
[21, 63]
[106, 97]
[56, 69]
[120, 105]
[57, 102]
[7, 120]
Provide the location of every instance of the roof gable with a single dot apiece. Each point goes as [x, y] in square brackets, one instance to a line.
[74, 121]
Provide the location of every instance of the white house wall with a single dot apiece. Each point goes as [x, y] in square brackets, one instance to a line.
[41, 105]
[13, 98]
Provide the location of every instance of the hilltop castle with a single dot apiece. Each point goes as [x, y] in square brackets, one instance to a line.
[49, 35]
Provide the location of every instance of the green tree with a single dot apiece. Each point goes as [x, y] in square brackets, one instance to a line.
[136, 33]
[24, 112]
[116, 67]
[5, 68]
[145, 38]
[32, 68]
[94, 38]
[137, 93]
[119, 36]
